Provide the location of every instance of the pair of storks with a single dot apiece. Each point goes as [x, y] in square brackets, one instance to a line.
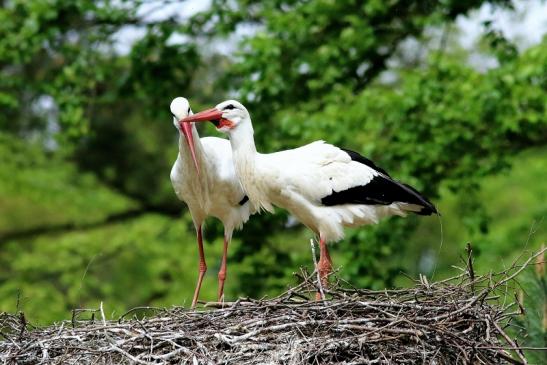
[325, 187]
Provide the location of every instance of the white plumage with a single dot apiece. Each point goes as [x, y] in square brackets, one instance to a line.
[214, 191]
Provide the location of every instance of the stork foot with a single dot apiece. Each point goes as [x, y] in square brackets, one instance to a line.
[324, 267]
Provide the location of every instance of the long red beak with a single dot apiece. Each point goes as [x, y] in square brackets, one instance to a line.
[187, 131]
[203, 116]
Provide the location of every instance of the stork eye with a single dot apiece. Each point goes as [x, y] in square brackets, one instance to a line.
[174, 116]
[189, 110]
[229, 106]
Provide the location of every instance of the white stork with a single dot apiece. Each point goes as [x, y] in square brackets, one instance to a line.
[203, 176]
[323, 186]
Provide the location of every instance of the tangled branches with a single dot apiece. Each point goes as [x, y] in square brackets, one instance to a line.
[457, 321]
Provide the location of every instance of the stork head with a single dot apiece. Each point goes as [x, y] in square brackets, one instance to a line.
[180, 109]
[226, 116]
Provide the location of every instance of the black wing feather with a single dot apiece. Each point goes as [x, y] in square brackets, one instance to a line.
[381, 190]
[357, 157]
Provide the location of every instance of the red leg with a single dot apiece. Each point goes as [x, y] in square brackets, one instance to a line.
[324, 266]
[202, 267]
[222, 271]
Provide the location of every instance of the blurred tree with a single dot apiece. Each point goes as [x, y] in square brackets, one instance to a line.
[66, 79]
[53, 49]
[312, 53]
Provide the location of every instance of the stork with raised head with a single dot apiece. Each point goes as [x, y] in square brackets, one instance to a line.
[203, 176]
[323, 186]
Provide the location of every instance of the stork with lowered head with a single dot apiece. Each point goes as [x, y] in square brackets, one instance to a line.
[204, 177]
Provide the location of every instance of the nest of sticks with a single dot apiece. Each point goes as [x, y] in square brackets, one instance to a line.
[462, 320]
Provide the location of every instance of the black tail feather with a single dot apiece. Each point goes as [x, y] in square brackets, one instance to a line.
[381, 190]
[428, 207]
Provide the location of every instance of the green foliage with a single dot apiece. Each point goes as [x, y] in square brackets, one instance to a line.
[54, 48]
[40, 190]
[66, 73]
[145, 260]
[513, 210]
[308, 54]
[533, 326]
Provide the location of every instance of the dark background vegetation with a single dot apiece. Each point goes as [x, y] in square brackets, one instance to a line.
[87, 212]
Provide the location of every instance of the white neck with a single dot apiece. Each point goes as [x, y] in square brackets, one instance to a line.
[242, 138]
[244, 154]
[243, 151]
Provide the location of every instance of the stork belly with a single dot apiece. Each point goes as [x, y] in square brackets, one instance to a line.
[329, 221]
[353, 215]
